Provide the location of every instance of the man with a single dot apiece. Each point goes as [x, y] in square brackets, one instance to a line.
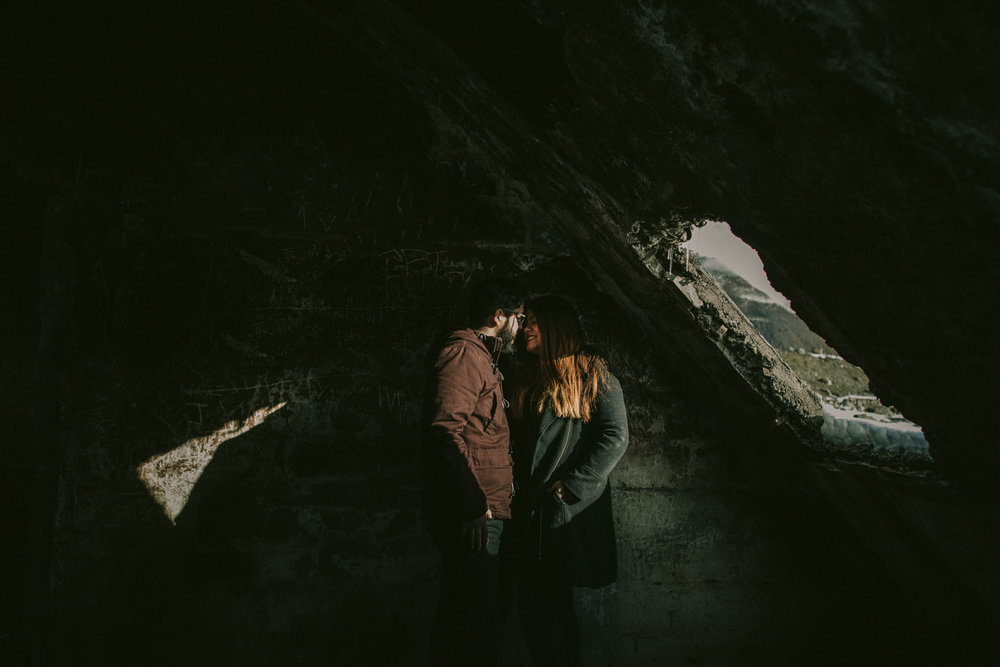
[468, 478]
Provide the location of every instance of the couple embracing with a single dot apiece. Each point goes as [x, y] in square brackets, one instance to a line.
[515, 478]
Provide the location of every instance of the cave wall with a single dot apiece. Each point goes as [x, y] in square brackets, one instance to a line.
[863, 167]
[281, 206]
[301, 540]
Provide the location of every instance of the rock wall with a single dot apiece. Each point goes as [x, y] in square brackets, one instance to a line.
[300, 540]
[255, 220]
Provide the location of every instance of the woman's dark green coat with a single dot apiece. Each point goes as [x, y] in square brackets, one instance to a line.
[576, 540]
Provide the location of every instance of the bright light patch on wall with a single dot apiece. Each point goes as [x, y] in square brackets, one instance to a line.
[170, 477]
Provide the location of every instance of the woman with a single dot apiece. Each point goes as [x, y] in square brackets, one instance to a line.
[569, 430]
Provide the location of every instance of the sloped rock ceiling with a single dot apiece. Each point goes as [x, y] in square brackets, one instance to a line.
[854, 144]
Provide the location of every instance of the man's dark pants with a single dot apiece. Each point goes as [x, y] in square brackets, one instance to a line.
[467, 626]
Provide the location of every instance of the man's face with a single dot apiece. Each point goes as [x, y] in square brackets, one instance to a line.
[510, 327]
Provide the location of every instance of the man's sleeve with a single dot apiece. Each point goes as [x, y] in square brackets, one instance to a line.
[456, 393]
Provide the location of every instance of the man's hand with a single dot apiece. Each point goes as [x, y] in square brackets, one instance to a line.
[562, 493]
[473, 534]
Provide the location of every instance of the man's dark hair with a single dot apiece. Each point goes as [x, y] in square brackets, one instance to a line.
[491, 293]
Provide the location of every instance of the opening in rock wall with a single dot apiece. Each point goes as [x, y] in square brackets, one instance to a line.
[853, 417]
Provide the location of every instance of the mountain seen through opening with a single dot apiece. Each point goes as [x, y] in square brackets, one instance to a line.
[853, 417]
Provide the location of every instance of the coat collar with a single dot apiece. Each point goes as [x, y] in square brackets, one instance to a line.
[547, 429]
[492, 345]
[547, 420]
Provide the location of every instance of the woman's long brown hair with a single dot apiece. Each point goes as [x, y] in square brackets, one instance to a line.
[566, 374]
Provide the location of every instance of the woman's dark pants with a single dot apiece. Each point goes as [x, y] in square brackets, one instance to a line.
[548, 617]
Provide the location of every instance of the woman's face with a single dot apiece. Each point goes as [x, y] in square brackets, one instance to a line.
[532, 334]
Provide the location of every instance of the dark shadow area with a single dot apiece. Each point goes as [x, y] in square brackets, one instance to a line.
[20, 267]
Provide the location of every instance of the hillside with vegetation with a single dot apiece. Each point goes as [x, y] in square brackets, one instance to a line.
[839, 384]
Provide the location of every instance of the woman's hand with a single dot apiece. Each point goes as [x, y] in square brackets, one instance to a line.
[562, 493]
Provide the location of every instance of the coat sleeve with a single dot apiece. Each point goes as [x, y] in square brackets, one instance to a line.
[605, 447]
[455, 395]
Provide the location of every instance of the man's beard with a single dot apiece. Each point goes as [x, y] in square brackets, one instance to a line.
[507, 337]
